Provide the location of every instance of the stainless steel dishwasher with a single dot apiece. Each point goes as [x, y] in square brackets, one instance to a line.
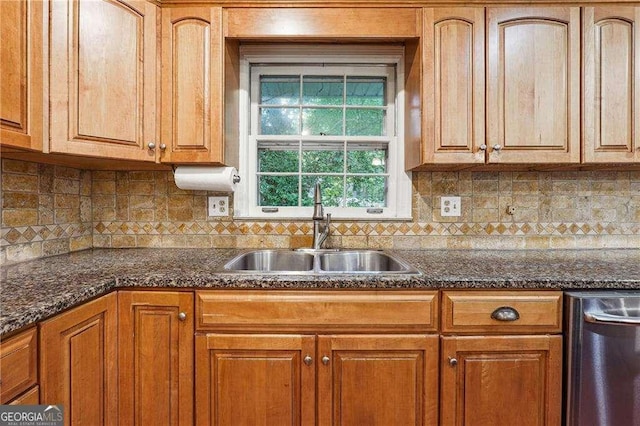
[602, 359]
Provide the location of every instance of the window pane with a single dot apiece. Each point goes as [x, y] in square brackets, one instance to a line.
[322, 90]
[280, 90]
[279, 121]
[329, 160]
[322, 121]
[332, 189]
[366, 160]
[365, 122]
[366, 191]
[366, 91]
[278, 159]
[277, 190]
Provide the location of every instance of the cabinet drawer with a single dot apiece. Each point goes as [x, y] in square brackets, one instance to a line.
[30, 397]
[501, 312]
[18, 364]
[317, 311]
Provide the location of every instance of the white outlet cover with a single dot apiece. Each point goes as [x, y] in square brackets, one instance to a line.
[218, 206]
[450, 206]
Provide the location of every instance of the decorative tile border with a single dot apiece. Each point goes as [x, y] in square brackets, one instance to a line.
[366, 229]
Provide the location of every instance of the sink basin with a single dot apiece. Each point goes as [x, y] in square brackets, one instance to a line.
[310, 262]
[271, 261]
[362, 261]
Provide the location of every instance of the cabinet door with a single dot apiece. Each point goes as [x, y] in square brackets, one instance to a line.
[103, 78]
[501, 380]
[453, 63]
[78, 362]
[192, 82]
[21, 91]
[156, 358]
[255, 380]
[611, 63]
[533, 85]
[377, 380]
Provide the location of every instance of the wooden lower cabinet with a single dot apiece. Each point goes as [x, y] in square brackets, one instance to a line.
[251, 379]
[18, 364]
[379, 380]
[261, 379]
[501, 380]
[78, 362]
[155, 358]
[30, 397]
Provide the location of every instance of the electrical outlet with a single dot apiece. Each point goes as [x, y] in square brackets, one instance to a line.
[450, 206]
[511, 210]
[218, 206]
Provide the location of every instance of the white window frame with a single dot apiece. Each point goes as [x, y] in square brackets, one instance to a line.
[399, 185]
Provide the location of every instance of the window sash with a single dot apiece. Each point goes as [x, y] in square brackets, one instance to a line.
[386, 61]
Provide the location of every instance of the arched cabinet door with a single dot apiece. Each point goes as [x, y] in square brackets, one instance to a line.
[533, 85]
[453, 64]
[611, 63]
[192, 83]
[103, 78]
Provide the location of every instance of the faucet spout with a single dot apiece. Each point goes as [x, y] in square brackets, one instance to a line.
[320, 224]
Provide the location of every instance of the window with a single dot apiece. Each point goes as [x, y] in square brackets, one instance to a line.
[330, 115]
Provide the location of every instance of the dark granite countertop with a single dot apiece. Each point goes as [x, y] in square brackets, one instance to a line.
[35, 290]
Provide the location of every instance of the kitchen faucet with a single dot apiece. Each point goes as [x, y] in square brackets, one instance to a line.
[320, 225]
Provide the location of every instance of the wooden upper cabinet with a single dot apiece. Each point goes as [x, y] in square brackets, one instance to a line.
[192, 82]
[79, 363]
[611, 103]
[21, 83]
[453, 75]
[533, 85]
[377, 380]
[155, 350]
[103, 78]
[322, 23]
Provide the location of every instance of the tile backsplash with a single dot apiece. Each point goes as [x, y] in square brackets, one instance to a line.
[46, 210]
[51, 209]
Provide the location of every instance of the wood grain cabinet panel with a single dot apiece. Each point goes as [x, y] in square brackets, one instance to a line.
[103, 78]
[611, 67]
[249, 379]
[453, 75]
[317, 311]
[478, 312]
[501, 380]
[533, 78]
[377, 380]
[18, 364]
[192, 82]
[21, 86]
[79, 363]
[155, 358]
[30, 397]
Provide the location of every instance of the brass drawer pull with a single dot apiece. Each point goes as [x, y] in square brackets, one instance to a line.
[505, 313]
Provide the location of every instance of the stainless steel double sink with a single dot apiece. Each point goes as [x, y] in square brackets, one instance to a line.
[315, 262]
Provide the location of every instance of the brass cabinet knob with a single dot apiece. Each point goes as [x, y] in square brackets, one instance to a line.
[325, 360]
[182, 316]
[497, 147]
[453, 362]
[151, 145]
[308, 360]
[483, 147]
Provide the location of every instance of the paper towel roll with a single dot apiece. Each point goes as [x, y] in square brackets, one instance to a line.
[201, 178]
